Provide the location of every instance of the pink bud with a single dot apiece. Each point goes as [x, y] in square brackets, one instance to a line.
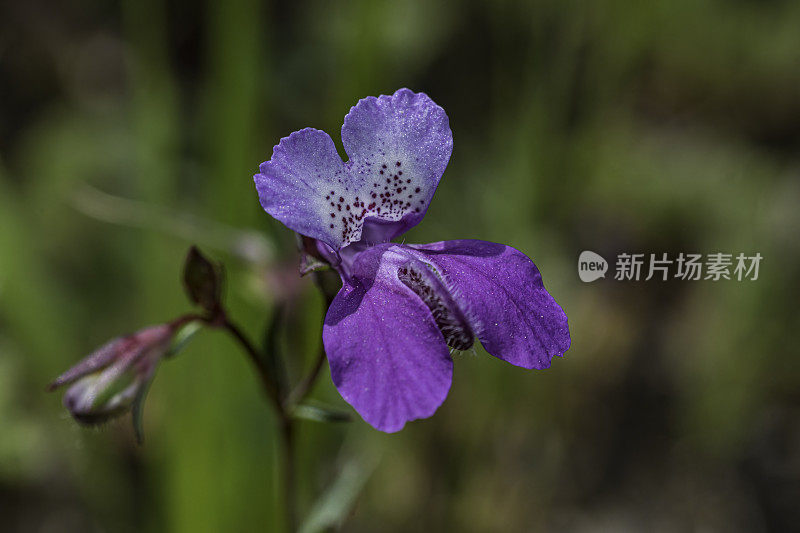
[106, 383]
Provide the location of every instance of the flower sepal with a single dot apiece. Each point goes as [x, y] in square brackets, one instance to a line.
[311, 257]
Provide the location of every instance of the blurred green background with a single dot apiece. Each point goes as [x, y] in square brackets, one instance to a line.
[130, 130]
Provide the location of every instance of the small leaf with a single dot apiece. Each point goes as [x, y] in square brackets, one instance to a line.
[202, 280]
[337, 502]
[137, 412]
[320, 413]
[183, 337]
[311, 260]
[310, 264]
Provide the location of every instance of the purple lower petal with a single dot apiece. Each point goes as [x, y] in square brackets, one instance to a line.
[513, 315]
[388, 359]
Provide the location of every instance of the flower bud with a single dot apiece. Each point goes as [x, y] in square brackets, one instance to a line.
[202, 280]
[108, 382]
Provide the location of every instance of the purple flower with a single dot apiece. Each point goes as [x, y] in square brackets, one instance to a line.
[107, 382]
[388, 330]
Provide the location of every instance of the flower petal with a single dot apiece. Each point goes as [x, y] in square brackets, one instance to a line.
[404, 142]
[398, 147]
[100, 358]
[513, 315]
[300, 185]
[388, 359]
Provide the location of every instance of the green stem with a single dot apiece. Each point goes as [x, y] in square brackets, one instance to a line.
[289, 473]
[258, 363]
[284, 416]
[282, 408]
[302, 389]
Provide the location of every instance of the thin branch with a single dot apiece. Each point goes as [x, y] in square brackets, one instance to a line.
[283, 409]
[285, 419]
[289, 473]
[301, 390]
[258, 362]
